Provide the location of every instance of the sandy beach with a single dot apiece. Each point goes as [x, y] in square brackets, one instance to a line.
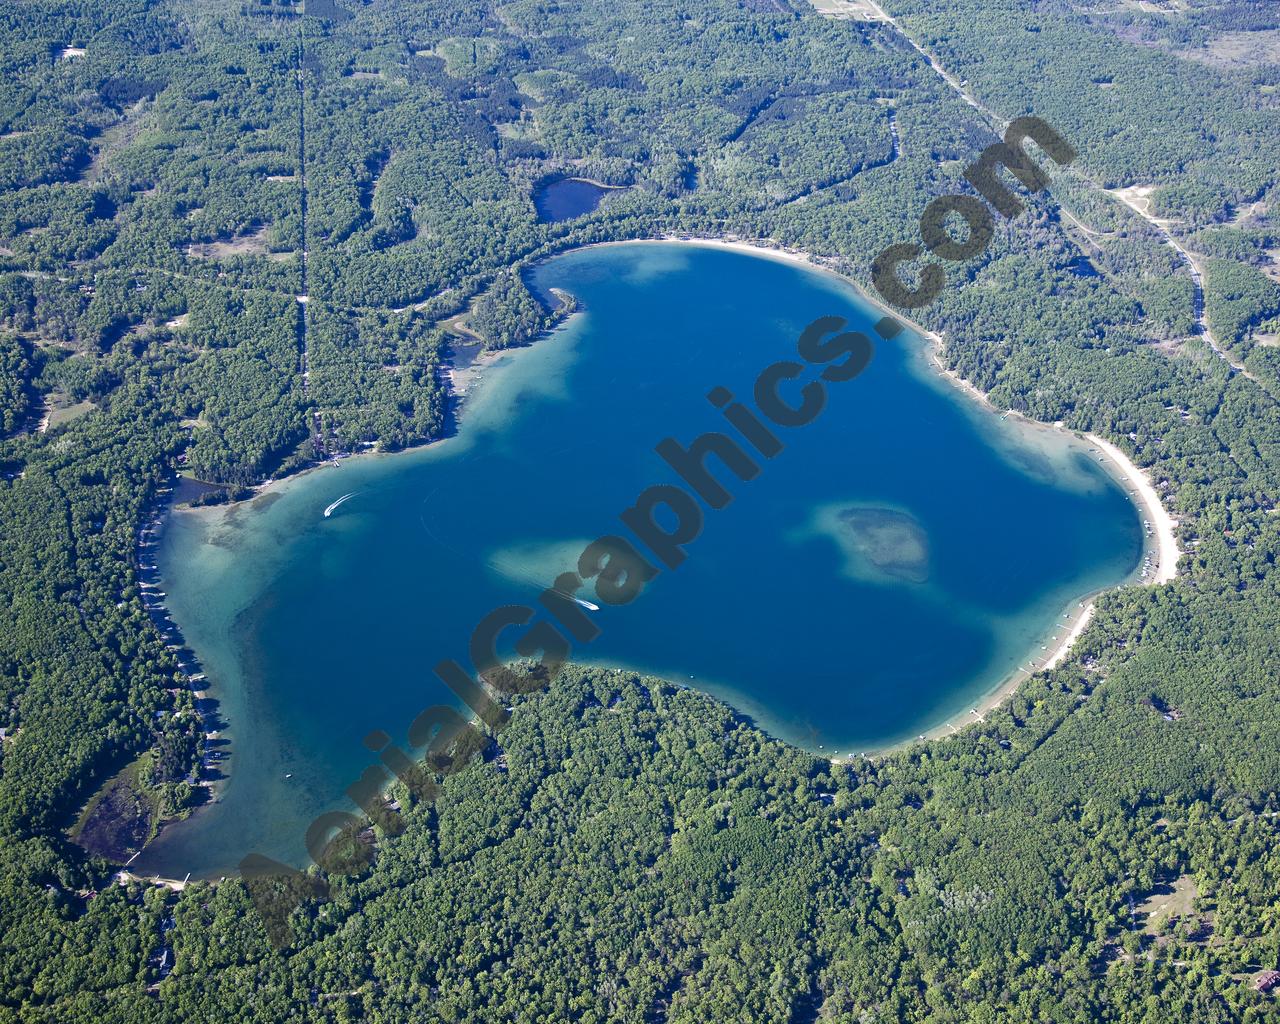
[176, 884]
[1064, 648]
[773, 250]
[1162, 524]
[461, 378]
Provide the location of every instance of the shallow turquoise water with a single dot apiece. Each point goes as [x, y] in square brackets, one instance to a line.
[316, 631]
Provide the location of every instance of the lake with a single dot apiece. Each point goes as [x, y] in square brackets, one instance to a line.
[897, 561]
[566, 198]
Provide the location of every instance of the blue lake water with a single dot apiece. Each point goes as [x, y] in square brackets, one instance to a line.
[901, 556]
[566, 198]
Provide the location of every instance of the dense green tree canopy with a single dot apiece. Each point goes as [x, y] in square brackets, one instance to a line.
[237, 238]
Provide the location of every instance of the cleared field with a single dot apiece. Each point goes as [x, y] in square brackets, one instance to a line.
[1232, 49]
[60, 414]
[254, 243]
[1166, 7]
[850, 10]
[1168, 902]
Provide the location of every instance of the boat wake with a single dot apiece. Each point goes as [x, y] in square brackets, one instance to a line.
[513, 573]
[330, 510]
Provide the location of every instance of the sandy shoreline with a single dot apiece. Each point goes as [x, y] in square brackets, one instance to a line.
[596, 183]
[460, 379]
[1077, 619]
[1064, 648]
[1162, 524]
[769, 250]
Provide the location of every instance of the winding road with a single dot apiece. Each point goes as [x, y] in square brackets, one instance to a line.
[304, 325]
[1161, 226]
[1143, 210]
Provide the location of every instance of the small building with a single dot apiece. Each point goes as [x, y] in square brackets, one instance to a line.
[1266, 981]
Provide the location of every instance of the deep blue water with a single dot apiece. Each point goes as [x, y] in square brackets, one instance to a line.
[566, 198]
[316, 631]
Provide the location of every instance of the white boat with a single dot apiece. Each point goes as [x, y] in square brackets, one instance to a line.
[329, 511]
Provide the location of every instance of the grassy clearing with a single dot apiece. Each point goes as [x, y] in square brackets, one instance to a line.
[60, 414]
[1168, 902]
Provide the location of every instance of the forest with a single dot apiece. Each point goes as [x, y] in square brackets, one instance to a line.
[175, 177]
